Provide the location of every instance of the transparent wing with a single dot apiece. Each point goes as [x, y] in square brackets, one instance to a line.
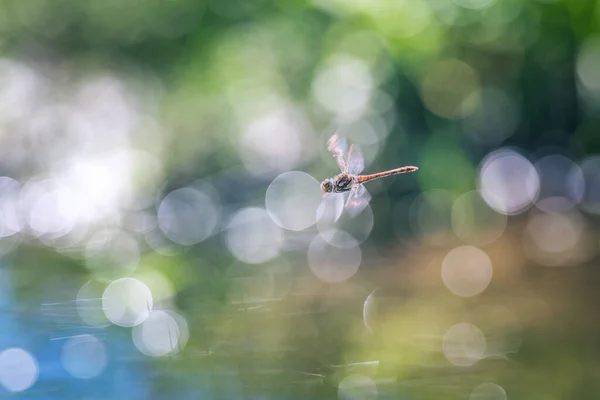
[356, 161]
[337, 146]
[357, 201]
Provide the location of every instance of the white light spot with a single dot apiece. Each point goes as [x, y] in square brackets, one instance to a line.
[84, 356]
[357, 387]
[253, 237]
[554, 233]
[474, 221]
[344, 86]
[51, 207]
[466, 271]
[508, 182]
[18, 369]
[101, 183]
[488, 391]
[292, 200]
[557, 239]
[274, 142]
[187, 216]
[127, 302]
[164, 332]
[334, 264]
[463, 344]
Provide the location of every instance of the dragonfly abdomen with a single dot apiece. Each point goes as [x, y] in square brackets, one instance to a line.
[401, 170]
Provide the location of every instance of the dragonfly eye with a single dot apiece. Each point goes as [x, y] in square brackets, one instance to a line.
[327, 186]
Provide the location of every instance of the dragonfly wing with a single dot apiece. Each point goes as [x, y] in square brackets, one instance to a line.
[356, 161]
[357, 201]
[338, 147]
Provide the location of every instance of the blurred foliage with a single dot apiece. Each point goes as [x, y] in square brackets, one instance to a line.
[125, 102]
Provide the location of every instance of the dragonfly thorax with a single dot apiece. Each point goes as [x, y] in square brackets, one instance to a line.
[338, 184]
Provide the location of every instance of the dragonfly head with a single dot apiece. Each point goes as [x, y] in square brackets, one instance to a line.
[327, 186]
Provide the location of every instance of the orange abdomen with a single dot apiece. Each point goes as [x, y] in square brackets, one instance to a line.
[401, 170]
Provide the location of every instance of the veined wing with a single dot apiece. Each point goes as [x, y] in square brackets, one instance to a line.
[337, 146]
[356, 161]
[357, 201]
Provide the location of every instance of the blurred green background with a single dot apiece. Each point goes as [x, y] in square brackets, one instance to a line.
[163, 234]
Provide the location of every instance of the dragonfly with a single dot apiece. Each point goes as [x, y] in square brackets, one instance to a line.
[351, 163]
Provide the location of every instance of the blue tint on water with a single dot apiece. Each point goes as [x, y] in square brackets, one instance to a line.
[125, 375]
